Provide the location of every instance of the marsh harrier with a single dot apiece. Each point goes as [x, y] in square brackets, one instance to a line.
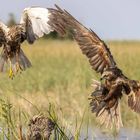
[106, 96]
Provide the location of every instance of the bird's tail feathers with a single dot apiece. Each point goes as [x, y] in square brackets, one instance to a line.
[23, 60]
[108, 112]
[21, 63]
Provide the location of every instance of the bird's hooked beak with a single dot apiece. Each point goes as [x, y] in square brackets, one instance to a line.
[103, 76]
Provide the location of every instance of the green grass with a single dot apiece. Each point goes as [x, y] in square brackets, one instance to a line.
[61, 75]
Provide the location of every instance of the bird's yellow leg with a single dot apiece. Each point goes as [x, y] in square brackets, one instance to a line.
[11, 73]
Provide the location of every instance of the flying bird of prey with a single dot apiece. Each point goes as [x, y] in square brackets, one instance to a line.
[106, 96]
[33, 25]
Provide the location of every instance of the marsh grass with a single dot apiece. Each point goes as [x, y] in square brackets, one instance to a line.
[62, 76]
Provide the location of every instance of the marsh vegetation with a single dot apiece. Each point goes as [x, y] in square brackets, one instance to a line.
[61, 77]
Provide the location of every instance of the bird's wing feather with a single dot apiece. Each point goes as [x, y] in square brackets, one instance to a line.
[3, 32]
[36, 24]
[134, 101]
[91, 45]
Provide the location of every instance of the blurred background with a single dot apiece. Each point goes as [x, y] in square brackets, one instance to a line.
[59, 83]
[111, 19]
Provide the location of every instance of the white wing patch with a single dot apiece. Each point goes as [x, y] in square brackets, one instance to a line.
[4, 27]
[39, 18]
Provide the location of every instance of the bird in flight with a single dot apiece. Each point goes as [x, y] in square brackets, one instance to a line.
[106, 95]
[32, 26]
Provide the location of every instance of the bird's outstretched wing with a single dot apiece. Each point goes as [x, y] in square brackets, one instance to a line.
[35, 20]
[91, 45]
[3, 32]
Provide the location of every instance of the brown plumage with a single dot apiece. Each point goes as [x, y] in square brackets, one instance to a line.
[105, 98]
[12, 51]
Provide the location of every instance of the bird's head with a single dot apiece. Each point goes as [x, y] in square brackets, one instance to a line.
[110, 74]
[135, 85]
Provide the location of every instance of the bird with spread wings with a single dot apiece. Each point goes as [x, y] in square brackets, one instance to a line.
[33, 25]
[106, 96]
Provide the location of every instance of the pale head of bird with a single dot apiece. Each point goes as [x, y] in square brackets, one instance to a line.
[111, 74]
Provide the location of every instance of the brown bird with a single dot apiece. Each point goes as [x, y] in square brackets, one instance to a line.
[106, 96]
[33, 25]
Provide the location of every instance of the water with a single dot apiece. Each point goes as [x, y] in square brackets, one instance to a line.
[96, 134]
[124, 134]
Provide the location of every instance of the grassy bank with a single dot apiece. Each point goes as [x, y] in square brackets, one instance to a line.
[61, 75]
